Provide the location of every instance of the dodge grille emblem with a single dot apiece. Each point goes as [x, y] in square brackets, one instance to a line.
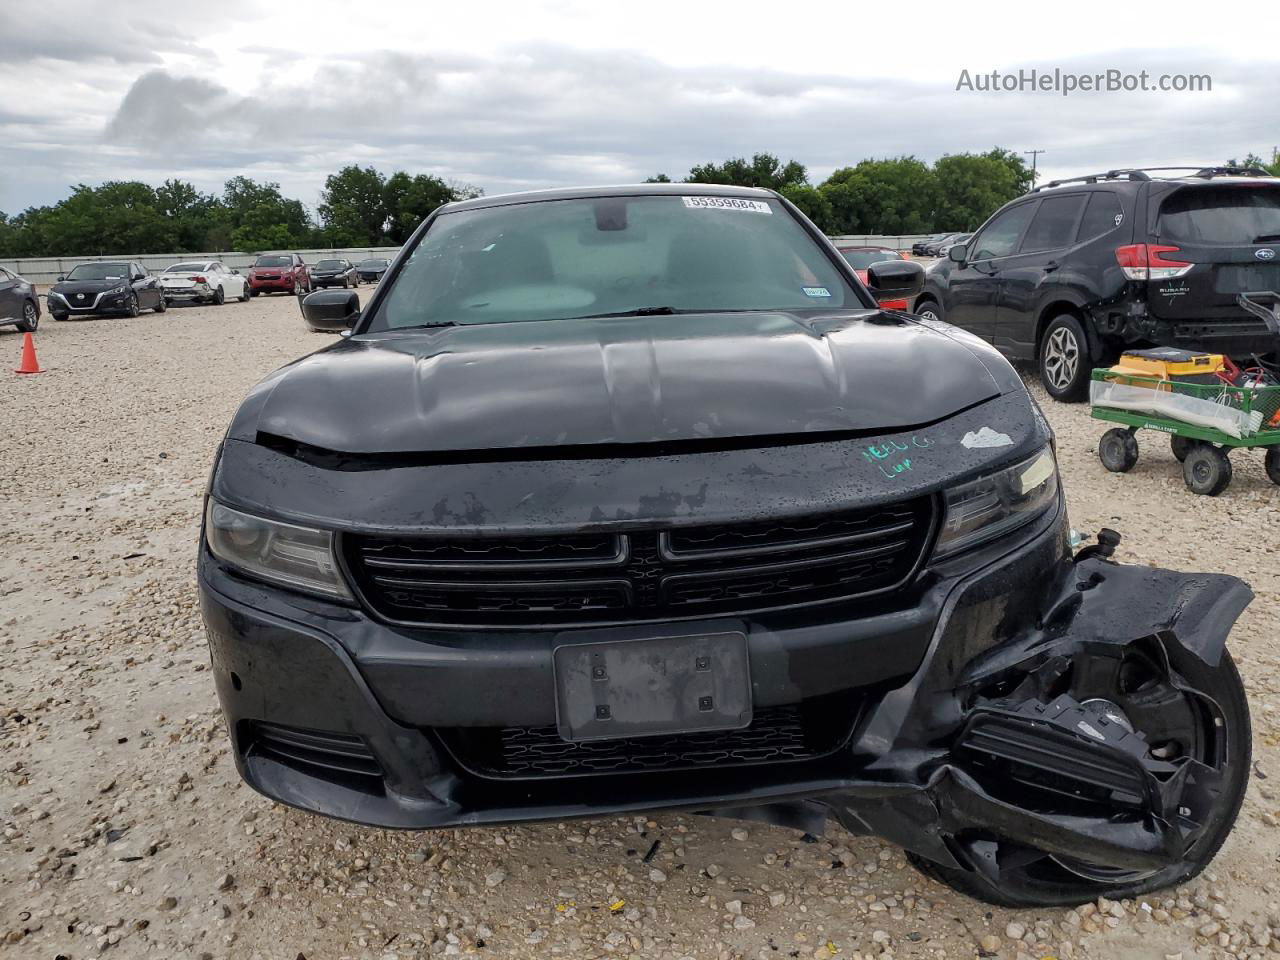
[1266, 253]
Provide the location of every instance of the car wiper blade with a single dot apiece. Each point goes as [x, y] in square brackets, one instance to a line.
[637, 312]
[1266, 238]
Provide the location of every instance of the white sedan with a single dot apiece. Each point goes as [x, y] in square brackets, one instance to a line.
[207, 281]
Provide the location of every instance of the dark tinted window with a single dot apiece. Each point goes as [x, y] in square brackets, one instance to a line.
[999, 238]
[1102, 215]
[1054, 224]
[861, 259]
[273, 261]
[1237, 214]
[100, 271]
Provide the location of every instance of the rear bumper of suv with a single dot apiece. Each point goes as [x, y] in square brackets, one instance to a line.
[861, 717]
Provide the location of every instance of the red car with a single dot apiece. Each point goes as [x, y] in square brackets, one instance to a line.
[862, 257]
[279, 272]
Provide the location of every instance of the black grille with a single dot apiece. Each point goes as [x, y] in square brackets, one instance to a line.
[646, 575]
[782, 734]
[318, 752]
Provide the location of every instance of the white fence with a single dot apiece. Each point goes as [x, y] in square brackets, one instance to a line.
[46, 270]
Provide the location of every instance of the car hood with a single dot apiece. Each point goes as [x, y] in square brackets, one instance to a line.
[633, 380]
[71, 287]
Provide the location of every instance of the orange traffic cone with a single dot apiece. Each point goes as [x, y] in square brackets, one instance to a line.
[29, 363]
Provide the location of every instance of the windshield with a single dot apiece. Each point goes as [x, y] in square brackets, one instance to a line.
[273, 262]
[187, 268]
[861, 259]
[1235, 215]
[99, 271]
[606, 255]
[374, 263]
[330, 265]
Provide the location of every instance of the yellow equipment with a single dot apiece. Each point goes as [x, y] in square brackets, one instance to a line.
[1169, 363]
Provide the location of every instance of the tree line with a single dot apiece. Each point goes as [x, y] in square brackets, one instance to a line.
[359, 207]
[897, 195]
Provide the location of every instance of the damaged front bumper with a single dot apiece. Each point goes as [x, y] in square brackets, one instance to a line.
[967, 708]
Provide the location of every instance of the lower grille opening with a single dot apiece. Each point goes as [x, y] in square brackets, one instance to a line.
[334, 756]
[783, 734]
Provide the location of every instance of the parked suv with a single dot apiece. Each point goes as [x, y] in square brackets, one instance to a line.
[279, 272]
[1072, 272]
[631, 498]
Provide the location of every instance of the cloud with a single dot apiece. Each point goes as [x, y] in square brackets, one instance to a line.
[543, 115]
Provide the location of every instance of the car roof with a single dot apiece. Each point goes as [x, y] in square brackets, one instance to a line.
[620, 190]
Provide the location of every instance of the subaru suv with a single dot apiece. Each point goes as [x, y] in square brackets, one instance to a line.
[632, 498]
[1078, 269]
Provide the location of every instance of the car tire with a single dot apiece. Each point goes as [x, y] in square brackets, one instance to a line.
[219, 297]
[161, 305]
[1017, 887]
[345, 283]
[1180, 446]
[1064, 365]
[134, 308]
[253, 291]
[59, 317]
[1118, 450]
[245, 294]
[929, 310]
[1207, 470]
[30, 318]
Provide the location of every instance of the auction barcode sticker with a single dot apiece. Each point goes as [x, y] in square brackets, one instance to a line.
[727, 203]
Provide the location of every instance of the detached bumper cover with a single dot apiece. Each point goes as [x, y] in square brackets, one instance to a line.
[332, 712]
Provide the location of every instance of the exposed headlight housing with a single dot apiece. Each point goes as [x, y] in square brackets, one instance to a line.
[301, 558]
[997, 503]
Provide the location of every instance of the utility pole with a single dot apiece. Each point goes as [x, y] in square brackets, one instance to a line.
[1034, 154]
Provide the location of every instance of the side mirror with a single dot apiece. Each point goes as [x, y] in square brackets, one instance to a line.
[332, 310]
[236, 272]
[61, 277]
[895, 279]
[958, 252]
[139, 276]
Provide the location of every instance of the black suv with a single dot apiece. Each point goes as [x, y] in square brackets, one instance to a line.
[1079, 268]
[631, 498]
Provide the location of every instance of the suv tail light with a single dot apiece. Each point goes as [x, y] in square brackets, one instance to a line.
[1147, 261]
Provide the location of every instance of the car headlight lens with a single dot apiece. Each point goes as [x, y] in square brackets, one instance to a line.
[292, 556]
[119, 289]
[997, 503]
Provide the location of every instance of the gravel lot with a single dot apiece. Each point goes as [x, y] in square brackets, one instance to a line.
[124, 830]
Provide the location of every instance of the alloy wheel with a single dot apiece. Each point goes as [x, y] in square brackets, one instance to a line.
[29, 319]
[1061, 358]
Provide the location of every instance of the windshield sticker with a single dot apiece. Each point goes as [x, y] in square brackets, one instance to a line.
[816, 291]
[727, 203]
[986, 437]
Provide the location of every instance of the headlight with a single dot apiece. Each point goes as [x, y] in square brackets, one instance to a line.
[292, 556]
[119, 289]
[993, 505]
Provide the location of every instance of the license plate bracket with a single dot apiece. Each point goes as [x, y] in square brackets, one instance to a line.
[652, 685]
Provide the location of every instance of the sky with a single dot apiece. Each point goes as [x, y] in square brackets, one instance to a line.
[524, 95]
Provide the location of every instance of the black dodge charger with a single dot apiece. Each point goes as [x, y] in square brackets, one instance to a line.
[632, 498]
